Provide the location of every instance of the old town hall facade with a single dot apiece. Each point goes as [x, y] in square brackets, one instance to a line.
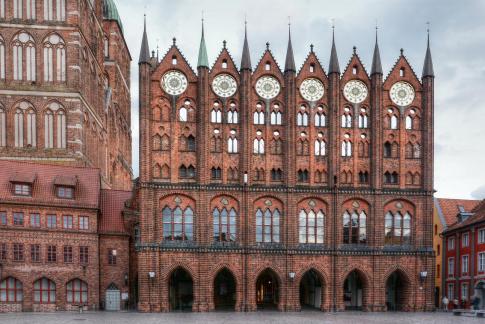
[267, 189]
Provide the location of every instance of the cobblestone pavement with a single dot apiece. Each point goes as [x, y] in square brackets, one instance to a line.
[235, 318]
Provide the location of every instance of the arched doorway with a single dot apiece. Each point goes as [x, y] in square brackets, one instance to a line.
[224, 290]
[311, 289]
[354, 291]
[396, 286]
[113, 298]
[480, 293]
[267, 290]
[181, 290]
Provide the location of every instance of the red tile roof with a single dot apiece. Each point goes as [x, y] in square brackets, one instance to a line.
[86, 194]
[112, 205]
[449, 208]
[478, 217]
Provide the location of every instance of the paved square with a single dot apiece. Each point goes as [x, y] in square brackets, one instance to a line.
[235, 318]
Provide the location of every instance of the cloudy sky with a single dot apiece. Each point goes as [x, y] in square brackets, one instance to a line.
[457, 44]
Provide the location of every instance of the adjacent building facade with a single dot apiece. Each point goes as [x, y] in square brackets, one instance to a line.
[269, 188]
[463, 274]
[64, 241]
[444, 215]
[65, 157]
[65, 86]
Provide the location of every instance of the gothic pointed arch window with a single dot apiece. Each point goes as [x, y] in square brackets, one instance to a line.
[232, 174]
[232, 115]
[276, 174]
[391, 178]
[320, 119]
[31, 128]
[3, 127]
[363, 149]
[178, 223]
[416, 151]
[394, 122]
[258, 146]
[303, 176]
[54, 58]
[258, 116]
[19, 128]
[409, 122]
[165, 171]
[346, 150]
[224, 224]
[24, 55]
[77, 291]
[268, 225]
[61, 129]
[346, 118]
[2, 57]
[48, 129]
[183, 114]
[363, 119]
[276, 118]
[363, 177]
[302, 118]
[320, 176]
[397, 227]
[186, 172]
[354, 226]
[311, 224]
[44, 291]
[11, 290]
[216, 173]
[320, 147]
[216, 116]
[232, 145]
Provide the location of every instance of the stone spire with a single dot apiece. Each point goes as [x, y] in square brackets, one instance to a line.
[290, 58]
[203, 61]
[246, 59]
[144, 50]
[333, 65]
[428, 70]
[376, 60]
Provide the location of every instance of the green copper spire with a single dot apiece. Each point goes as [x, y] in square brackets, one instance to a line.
[203, 61]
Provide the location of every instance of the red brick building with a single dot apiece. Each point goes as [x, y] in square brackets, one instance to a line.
[266, 188]
[65, 86]
[464, 256]
[64, 242]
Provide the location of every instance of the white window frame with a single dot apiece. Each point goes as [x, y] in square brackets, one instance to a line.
[451, 291]
[464, 291]
[481, 236]
[481, 262]
[451, 243]
[465, 262]
[451, 267]
[465, 239]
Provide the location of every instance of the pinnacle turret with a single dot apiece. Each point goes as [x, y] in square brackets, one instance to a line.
[246, 58]
[144, 50]
[428, 70]
[290, 58]
[376, 59]
[203, 60]
[333, 65]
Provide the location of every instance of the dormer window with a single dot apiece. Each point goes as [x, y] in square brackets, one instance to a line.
[23, 189]
[267, 67]
[174, 60]
[224, 64]
[65, 186]
[65, 192]
[401, 72]
[354, 70]
[312, 68]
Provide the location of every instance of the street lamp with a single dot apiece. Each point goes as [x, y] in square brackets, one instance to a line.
[291, 275]
[422, 276]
